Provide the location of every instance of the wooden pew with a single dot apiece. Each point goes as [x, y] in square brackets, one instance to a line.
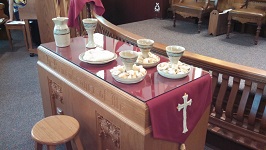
[251, 11]
[239, 101]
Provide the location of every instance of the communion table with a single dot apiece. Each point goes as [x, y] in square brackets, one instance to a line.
[155, 114]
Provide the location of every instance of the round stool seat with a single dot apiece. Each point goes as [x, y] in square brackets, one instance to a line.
[55, 130]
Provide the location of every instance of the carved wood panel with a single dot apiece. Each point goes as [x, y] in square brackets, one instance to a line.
[56, 97]
[109, 134]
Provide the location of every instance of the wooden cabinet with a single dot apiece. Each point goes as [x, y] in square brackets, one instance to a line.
[217, 23]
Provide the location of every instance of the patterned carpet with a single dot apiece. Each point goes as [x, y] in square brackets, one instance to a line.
[20, 99]
[238, 49]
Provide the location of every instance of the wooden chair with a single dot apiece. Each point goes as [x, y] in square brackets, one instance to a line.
[56, 130]
[16, 25]
[252, 11]
[191, 8]
[3, 19]
[3, 16]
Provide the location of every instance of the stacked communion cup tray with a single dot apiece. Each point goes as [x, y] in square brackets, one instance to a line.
[174, 69]
[128, 73]
[146, 58]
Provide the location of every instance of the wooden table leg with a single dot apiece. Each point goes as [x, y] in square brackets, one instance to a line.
[25, 37]
[9, 37]
[31, 50]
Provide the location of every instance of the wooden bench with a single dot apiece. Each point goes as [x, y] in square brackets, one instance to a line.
[251, 11]
[239, 104]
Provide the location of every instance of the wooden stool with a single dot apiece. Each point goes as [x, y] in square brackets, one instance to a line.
[56, 130]
[16, 25]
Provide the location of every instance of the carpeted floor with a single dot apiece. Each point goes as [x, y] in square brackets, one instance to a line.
[20, 99]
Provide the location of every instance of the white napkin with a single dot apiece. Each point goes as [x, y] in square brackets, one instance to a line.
[98, 54]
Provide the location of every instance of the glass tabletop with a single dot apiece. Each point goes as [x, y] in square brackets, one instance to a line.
[151, 86]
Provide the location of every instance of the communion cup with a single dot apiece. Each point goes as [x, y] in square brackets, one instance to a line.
[145, 46]
[90, 26]
[174, 53]
[128, 58]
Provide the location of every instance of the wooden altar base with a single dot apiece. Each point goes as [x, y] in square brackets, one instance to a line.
[109, 118]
